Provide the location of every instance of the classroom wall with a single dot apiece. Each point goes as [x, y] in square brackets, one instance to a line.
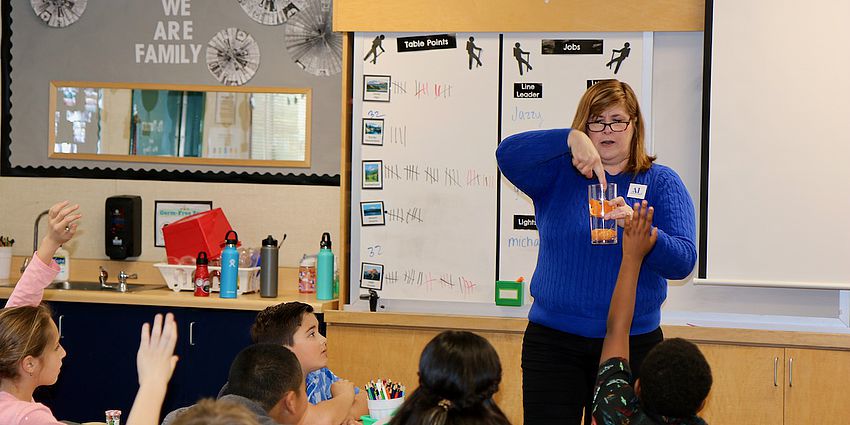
[677, 114]
[254, 211]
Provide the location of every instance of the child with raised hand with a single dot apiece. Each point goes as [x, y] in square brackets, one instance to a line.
[61, 228]
[459, 372]
[30, 352]
[674, 379]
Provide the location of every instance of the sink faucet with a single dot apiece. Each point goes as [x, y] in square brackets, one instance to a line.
[34, 239]
[122, 280]
[102, 276]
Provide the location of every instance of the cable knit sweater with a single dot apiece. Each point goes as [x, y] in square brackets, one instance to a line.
[574, 280]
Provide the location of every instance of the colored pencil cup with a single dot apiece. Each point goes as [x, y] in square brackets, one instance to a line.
[380, 409]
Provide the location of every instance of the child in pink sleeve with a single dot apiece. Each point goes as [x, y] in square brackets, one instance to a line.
[30, 352]
[14, 411]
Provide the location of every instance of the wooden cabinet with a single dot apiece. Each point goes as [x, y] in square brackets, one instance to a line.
[816, 390]
[101, 340]
[748, 384]
[775, 385]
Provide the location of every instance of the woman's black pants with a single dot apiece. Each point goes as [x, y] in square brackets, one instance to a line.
[559, 373]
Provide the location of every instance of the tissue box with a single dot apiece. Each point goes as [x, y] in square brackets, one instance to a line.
[190, 235]
[181, 278]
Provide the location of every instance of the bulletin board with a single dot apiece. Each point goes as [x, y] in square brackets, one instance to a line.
[162, 42]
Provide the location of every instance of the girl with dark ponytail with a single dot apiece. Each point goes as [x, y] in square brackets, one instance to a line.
[458, 374]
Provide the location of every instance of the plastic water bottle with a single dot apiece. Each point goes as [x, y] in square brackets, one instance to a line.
[325, 269]
[268, 268]
[229, 266]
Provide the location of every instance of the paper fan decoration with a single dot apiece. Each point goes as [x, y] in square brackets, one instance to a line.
[59, 13]
[233, 56]
[310, 41]
[271, 12]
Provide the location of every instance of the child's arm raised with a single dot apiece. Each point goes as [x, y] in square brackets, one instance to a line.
[638, 238]
[155, 362]
[41, 270]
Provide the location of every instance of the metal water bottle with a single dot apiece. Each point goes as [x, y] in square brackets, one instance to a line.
[268, 268]
[325, 269]
[229, 266]
[202, 275]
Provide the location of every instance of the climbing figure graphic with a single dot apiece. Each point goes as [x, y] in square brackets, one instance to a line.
[471, 49]
[376, 44]
[624, 53]
[518, 54]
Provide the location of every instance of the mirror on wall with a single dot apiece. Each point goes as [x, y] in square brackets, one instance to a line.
[245, 126]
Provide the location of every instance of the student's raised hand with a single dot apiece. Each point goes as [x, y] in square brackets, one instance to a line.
[639, 236]
[61, 227]
[62, 223]
[155, 359]
[585, 156]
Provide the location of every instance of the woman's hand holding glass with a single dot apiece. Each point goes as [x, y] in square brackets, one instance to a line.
[621, 210]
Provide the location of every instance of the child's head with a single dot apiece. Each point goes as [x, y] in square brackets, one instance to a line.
[458, 374]
[29, 344]
[270, 375]
[211, 412]
[675, 379]
[295, 326]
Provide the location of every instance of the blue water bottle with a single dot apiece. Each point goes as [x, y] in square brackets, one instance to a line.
[325, 269]
[229, 266]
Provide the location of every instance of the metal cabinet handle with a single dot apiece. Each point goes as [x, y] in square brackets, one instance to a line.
[775, 371]
[791, 372]
[61, 316]
[191, 333]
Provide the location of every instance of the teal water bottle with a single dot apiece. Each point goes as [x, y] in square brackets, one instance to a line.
[325, 269]
[229, 266]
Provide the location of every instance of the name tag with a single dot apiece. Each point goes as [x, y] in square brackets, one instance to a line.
[637, 191]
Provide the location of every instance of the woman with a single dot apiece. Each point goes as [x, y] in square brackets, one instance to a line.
[458, 374]
[30, 352]
[573, 280]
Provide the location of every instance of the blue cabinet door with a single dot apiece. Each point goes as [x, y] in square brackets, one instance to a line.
[209, 340]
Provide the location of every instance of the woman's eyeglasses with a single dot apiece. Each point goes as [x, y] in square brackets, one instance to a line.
[616, 126]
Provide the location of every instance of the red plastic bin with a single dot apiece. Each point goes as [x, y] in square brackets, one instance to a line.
[190, 235]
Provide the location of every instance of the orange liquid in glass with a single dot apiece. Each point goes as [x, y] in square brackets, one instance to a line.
[599, 235]
[598, 209]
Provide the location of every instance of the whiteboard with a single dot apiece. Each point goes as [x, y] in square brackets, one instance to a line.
[440, 131]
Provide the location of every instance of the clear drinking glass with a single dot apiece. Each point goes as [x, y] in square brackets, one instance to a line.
[602, 232]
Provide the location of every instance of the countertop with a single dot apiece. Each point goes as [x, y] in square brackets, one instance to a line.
[167, 297]
[87, 270]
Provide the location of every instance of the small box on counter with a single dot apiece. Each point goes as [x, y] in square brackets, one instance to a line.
[181, 278]
[203, 231]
